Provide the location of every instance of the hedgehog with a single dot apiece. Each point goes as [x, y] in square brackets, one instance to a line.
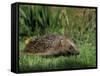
[50, 45]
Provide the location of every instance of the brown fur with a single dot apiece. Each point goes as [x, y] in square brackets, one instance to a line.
[52, 45]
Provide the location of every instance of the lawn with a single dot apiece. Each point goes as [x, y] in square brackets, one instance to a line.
[86, 59]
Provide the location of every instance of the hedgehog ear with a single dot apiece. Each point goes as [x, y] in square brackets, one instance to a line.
[66, 35]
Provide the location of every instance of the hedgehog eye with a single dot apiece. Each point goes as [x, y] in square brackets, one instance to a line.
[70, 47]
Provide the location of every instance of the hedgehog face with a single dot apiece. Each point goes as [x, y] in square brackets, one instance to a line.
[69, 47]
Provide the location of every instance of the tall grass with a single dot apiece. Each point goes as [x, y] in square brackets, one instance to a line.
[77, 23]
[41, 20]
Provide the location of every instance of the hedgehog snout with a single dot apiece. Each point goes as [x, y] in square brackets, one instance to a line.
[73, 52]
[77, 53]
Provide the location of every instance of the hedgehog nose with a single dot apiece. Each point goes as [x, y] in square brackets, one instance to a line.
[77, 53]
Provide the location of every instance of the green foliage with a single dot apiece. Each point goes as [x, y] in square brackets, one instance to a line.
[77, 23]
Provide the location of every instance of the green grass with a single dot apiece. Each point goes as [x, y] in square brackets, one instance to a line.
[77, 23]
[86, 59]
